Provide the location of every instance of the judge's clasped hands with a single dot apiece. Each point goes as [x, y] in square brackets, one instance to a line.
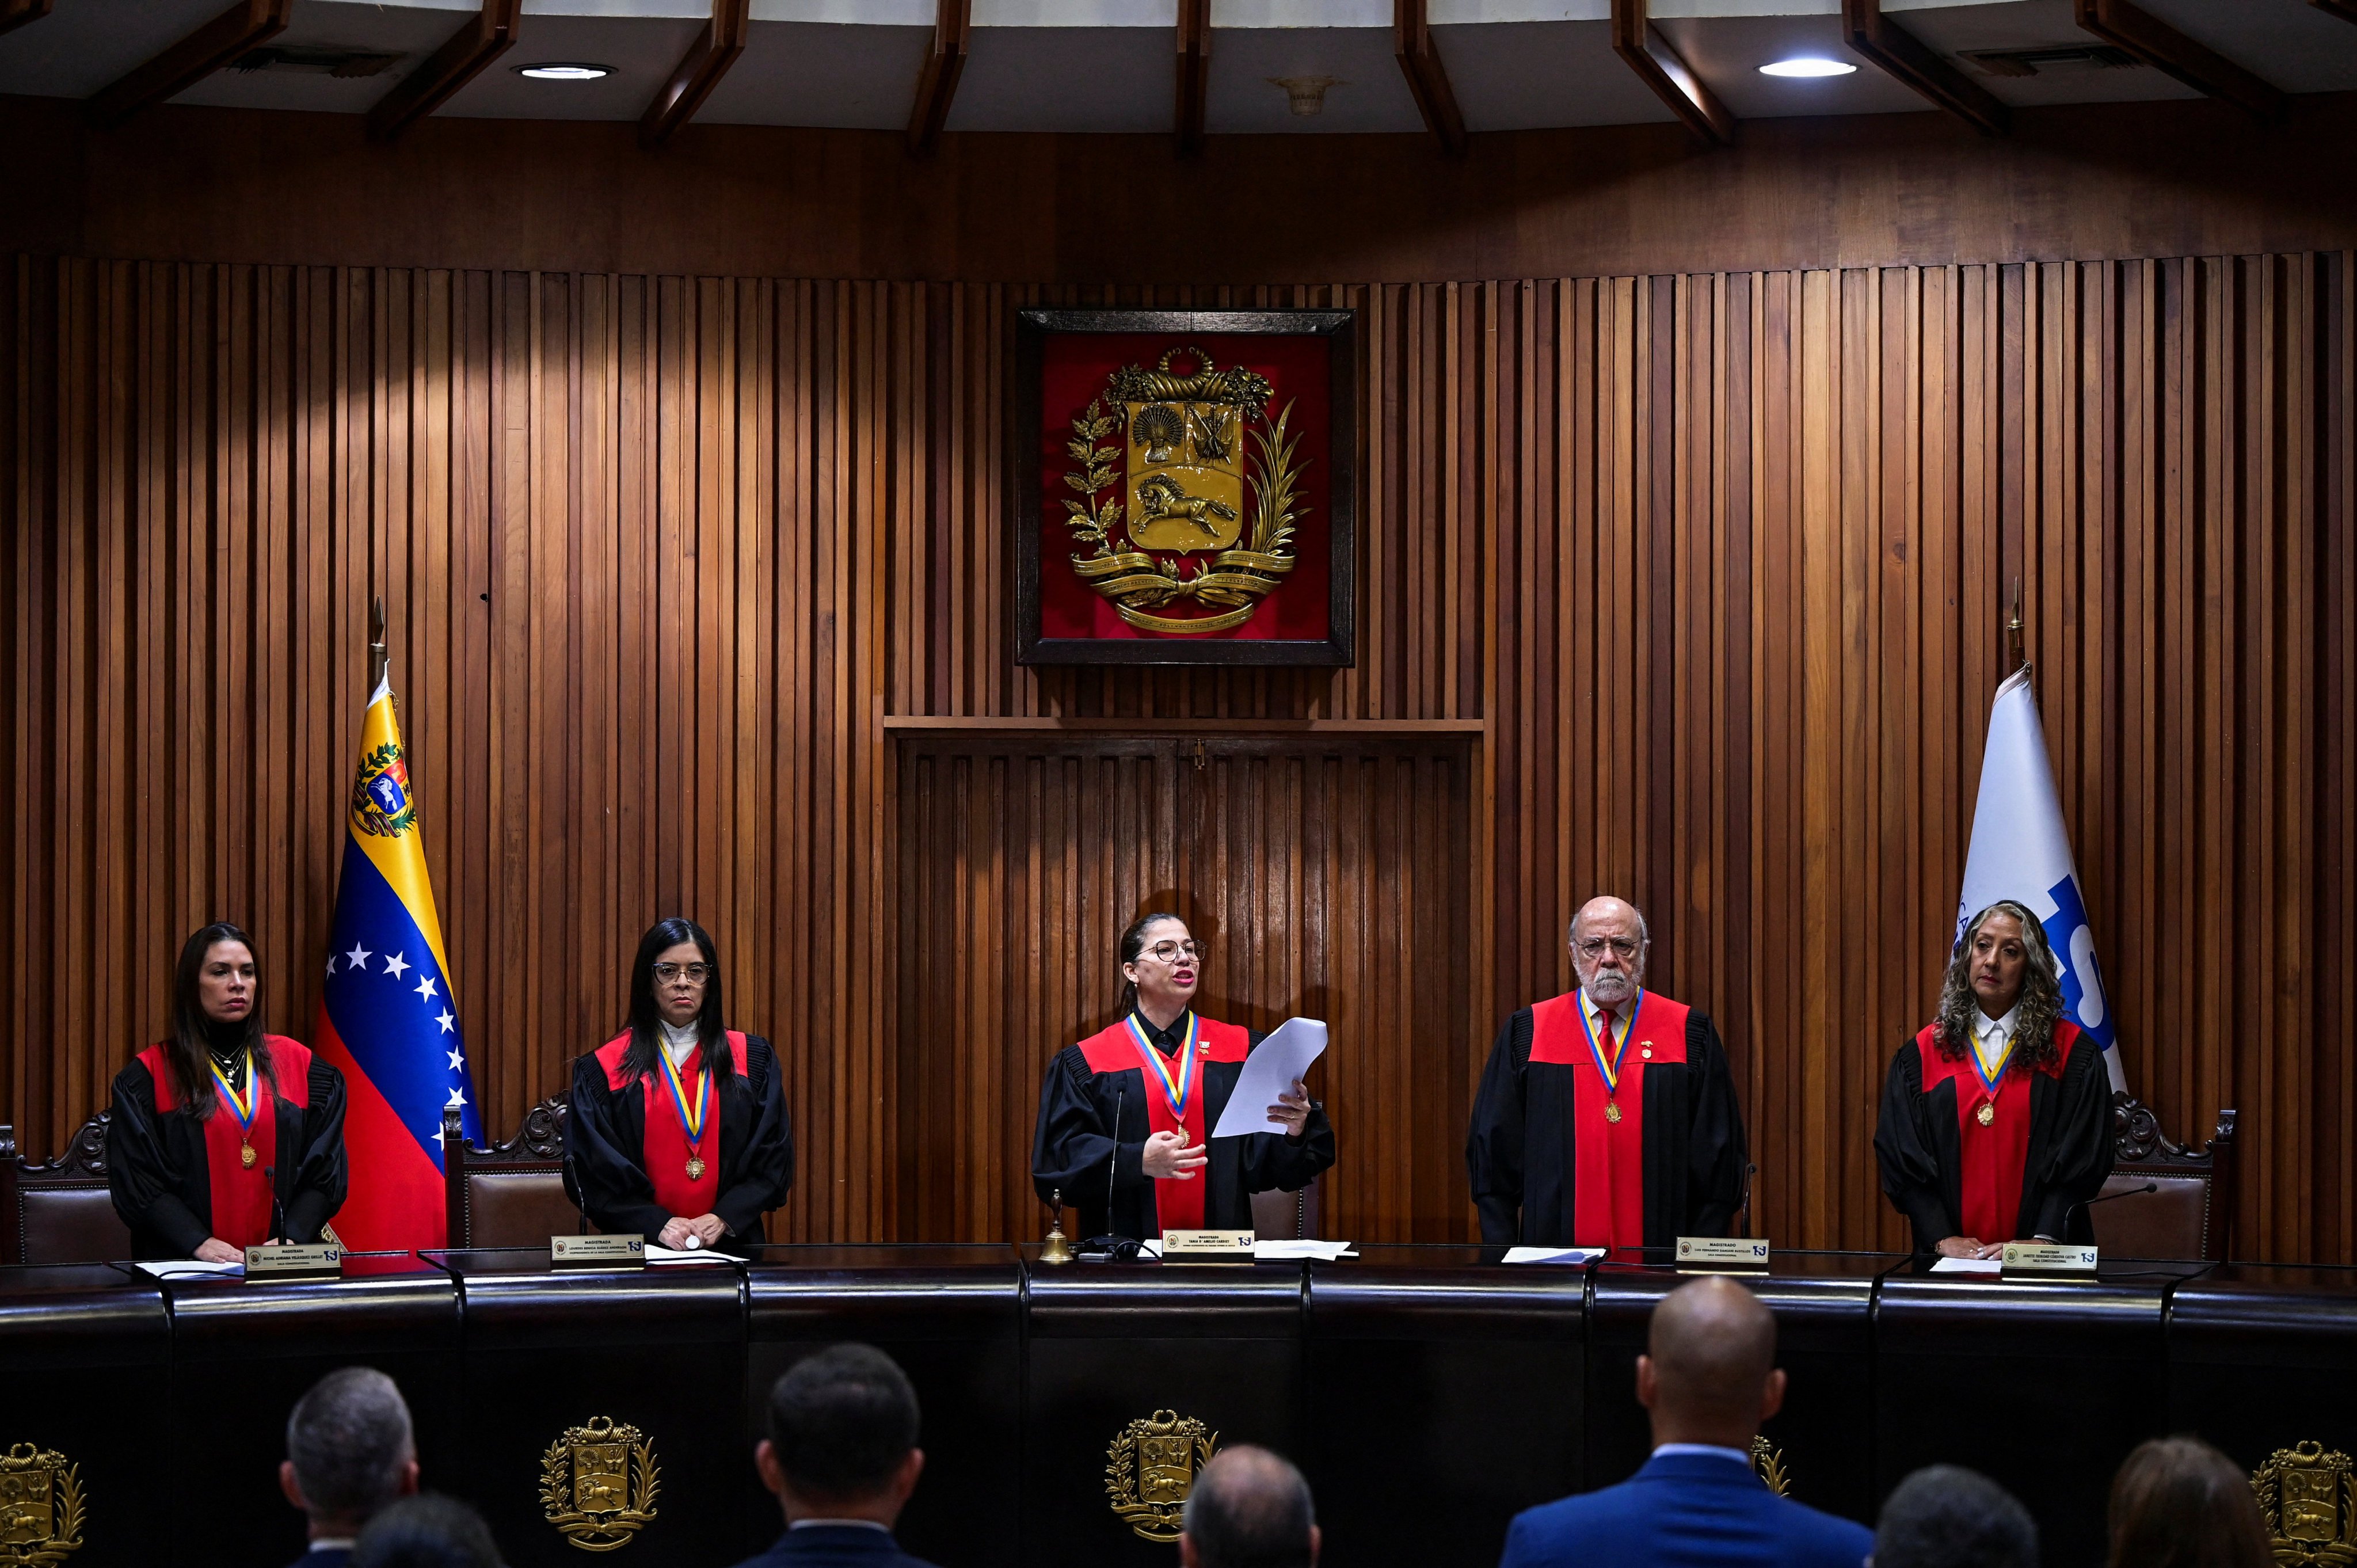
[1169, 1157]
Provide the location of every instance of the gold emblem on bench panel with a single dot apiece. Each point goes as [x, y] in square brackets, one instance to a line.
[599, 1483]
[2309, 1499]
[1150, 1468]
[1769, 1462]
[40, 1507]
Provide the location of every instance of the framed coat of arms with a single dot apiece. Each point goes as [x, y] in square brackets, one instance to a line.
[1186, 487]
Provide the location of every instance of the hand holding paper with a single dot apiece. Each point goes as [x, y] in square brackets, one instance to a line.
[1270, 1072]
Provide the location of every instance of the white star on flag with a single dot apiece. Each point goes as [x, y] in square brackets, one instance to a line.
[331, 963]
[456, 1097]
[425, 988]
[395, 967]
[447, 1019]
[359, 955]
[437, 1135]
[455, 1063]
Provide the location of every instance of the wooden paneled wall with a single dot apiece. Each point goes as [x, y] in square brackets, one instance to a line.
[1715, 562]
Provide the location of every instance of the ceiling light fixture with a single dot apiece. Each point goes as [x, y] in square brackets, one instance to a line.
[1806, 66]
[1304, 94]
[564, 70]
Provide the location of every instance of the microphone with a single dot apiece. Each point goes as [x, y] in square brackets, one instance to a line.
[277, 1216]
[1112, 1166]
[2072, 1212]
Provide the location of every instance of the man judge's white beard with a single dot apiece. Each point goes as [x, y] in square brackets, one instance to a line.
[1607, 987]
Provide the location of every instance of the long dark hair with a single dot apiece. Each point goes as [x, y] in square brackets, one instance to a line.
[646, 1025]
[2178, 1503]
[1133, 944]
[2041, 992]
[192, 1079]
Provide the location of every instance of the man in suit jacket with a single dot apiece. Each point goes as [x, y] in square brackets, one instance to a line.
[1249, 1509]
[350, 1452]
[1709, 1380]
[842, 1457]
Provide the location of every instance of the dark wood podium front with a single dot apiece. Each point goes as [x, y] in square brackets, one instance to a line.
[1429, 1393]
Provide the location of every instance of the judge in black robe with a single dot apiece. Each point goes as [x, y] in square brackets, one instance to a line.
[629, 1152]
[175, 1138]
[1996, 1118]
[1106, 1127]
[1522, 1151]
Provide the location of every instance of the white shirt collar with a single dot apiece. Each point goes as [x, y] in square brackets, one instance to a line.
[838, 1524]
[1621, 1015]
[1674, 1449]
[1986, 1027]
[678, 1042]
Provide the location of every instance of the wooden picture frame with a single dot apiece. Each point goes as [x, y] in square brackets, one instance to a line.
[1057, 622]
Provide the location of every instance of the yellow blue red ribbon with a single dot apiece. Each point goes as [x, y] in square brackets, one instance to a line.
[693, 1121]
[1175, 1091]
[243, 1109]
[1989, 1080]
[1609, 1068]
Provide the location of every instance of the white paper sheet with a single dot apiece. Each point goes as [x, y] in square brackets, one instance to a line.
[1969, 1266]
[1552, 1254]
[1268, 1072]
[1292, 1251]
[682, 1255]
[187, 1268]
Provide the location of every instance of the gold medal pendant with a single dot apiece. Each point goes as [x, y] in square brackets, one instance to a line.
[1612, 1111]
[246, 1156]
[1988, 1114]
[694, 1168]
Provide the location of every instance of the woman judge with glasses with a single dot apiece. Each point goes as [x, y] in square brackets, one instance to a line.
[677, 1130]
[223, 1137]
[1125, 1115]
[1607, 1117]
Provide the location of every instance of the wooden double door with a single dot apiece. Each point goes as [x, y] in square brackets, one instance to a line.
[1332, 877]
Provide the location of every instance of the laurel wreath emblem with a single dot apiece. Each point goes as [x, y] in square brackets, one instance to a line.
[600, 1530]
[367, 815]
[1154, 1521]
[64, 1535]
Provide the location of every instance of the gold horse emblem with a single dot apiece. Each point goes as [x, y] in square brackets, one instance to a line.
[1150, 1469]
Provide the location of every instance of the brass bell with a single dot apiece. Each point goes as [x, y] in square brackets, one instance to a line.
[1055, 1249]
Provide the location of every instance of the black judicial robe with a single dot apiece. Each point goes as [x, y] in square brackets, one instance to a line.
[605, 1150]
[1078, 1147]
[1520, 1150]
[1919, 1145]
[158, 1169]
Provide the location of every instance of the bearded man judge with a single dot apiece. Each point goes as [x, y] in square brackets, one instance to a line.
[1607, 1117]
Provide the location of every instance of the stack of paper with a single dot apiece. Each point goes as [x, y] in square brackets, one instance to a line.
[1552, 1254]
[185, 1268]
[1969, 1266]
[681, 1255]
[1271, 1069]
[1290, 1252]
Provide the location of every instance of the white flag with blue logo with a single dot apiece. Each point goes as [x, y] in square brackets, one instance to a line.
[2020, 851]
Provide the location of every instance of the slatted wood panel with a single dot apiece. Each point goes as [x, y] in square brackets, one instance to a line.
[1332, 881]
[1716, 560]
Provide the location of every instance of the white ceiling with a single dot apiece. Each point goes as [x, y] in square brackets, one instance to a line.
[1109, 65]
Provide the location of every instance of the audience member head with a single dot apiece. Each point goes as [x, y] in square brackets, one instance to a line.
[1945, 1516]
[1249, 1509]
[1710, 1373]
[349, 1450]
[2178, 1503]
[427, 1531]
[843, 1437]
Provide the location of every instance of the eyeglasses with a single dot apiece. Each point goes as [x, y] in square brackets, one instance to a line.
[693, 973]
[1594, 947]
[1170, 952]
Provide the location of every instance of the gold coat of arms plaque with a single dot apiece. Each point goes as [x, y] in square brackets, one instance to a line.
[1150, 1468]
[40, 1507]
[1769, 1462]
[2308, 1497]
[599, 1483]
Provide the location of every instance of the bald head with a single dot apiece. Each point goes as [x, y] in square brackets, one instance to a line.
[1710, 1375]
[1249, 1509]
[1607, 942]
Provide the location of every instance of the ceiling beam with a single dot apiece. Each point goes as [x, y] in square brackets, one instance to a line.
[1907, 59]
[1657, 63]
[1194, 72]
[2125, 25]
[244, 26]
[462, 56]
[16, 13]
[1427, 79]
[2344, 9]
[698, 72]
[937, 83]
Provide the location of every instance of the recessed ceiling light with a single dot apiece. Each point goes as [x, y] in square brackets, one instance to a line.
[564, 70]
[1807, 67]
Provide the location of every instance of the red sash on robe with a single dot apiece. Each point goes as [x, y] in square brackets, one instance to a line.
[1607, 1156]
[1996, 1157]
[241, 1196]
[667, 1151]
[1178, 1205]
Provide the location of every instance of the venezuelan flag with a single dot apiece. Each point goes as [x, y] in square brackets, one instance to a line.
[386, 1016]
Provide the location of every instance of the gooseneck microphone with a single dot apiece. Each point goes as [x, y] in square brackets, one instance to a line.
[1112, 1166]
[2085, 1204]
[277, 1215]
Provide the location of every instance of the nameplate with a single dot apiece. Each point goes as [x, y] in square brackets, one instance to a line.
[323, 1261]
[1207, 1246]
[1722, 1255]
[598, 1251]
[2044, 1261]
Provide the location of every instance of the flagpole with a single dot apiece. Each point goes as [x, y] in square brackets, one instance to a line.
[378, 658]
[2013, 629]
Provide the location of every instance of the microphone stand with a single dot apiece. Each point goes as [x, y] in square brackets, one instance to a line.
[2085, 1204]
